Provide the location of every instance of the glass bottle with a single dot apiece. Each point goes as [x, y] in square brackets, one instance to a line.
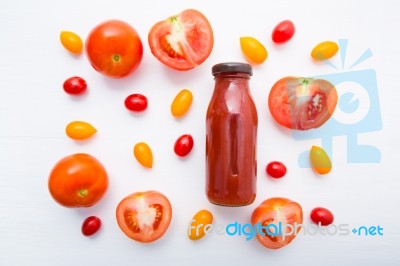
[231, 137]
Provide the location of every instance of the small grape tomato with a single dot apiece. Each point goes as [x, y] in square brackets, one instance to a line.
[276, 169]
[75, 85]
[321, 216]
[136, 102]
[79, 130]
[143, 154]
[181, 103]
[320, 160]
[283, 32]
[90, 225]
[200, 224]
[324, 50]
[183, 145]
[71, 41]
[253, 50]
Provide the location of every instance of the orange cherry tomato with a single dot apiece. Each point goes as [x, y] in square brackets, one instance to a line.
[324, 50]
[253, 50]
[320, 160]
[182, 102]
[78, 180]
[72, 42]
[143, 154]
[80, 130]
[144, 216]
[199, 224]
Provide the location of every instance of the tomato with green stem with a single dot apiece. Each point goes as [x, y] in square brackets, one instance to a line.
[302, 103]
[78, 180]
[183, 41]
[114, 48]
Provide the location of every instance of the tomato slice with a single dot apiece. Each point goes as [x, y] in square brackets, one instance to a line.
[183, 41]
[144, 216]
[277, 211]
[302, 103]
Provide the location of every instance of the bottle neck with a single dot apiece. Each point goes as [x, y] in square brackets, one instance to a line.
[232, 75]
[232, 80]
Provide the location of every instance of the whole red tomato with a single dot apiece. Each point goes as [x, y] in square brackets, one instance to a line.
[114, 48]
[78, 180]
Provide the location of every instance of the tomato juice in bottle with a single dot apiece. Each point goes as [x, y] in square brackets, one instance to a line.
[231, 137]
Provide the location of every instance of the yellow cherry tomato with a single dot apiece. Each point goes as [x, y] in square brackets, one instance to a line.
[181, 103]
[324, 50]
[71, 41]
[253, 50]
[80, 130]
[320, 160]
[143, 154]
[200, 224]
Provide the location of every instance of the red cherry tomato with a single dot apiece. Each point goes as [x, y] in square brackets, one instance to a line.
[75, 85]
[91, 225]
[136, 102]
[283, 32]
[321, 216]
[183, 145]
[114, 48]
[183, 41]
[276, 169]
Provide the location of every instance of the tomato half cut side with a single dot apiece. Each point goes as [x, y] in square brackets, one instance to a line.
[302, 103]
[277, 213]
[183, 41]
[144, 216]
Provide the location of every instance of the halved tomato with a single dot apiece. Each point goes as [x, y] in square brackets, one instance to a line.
[183, 41]
[302, 103]
[275, 213]
[144, 216]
